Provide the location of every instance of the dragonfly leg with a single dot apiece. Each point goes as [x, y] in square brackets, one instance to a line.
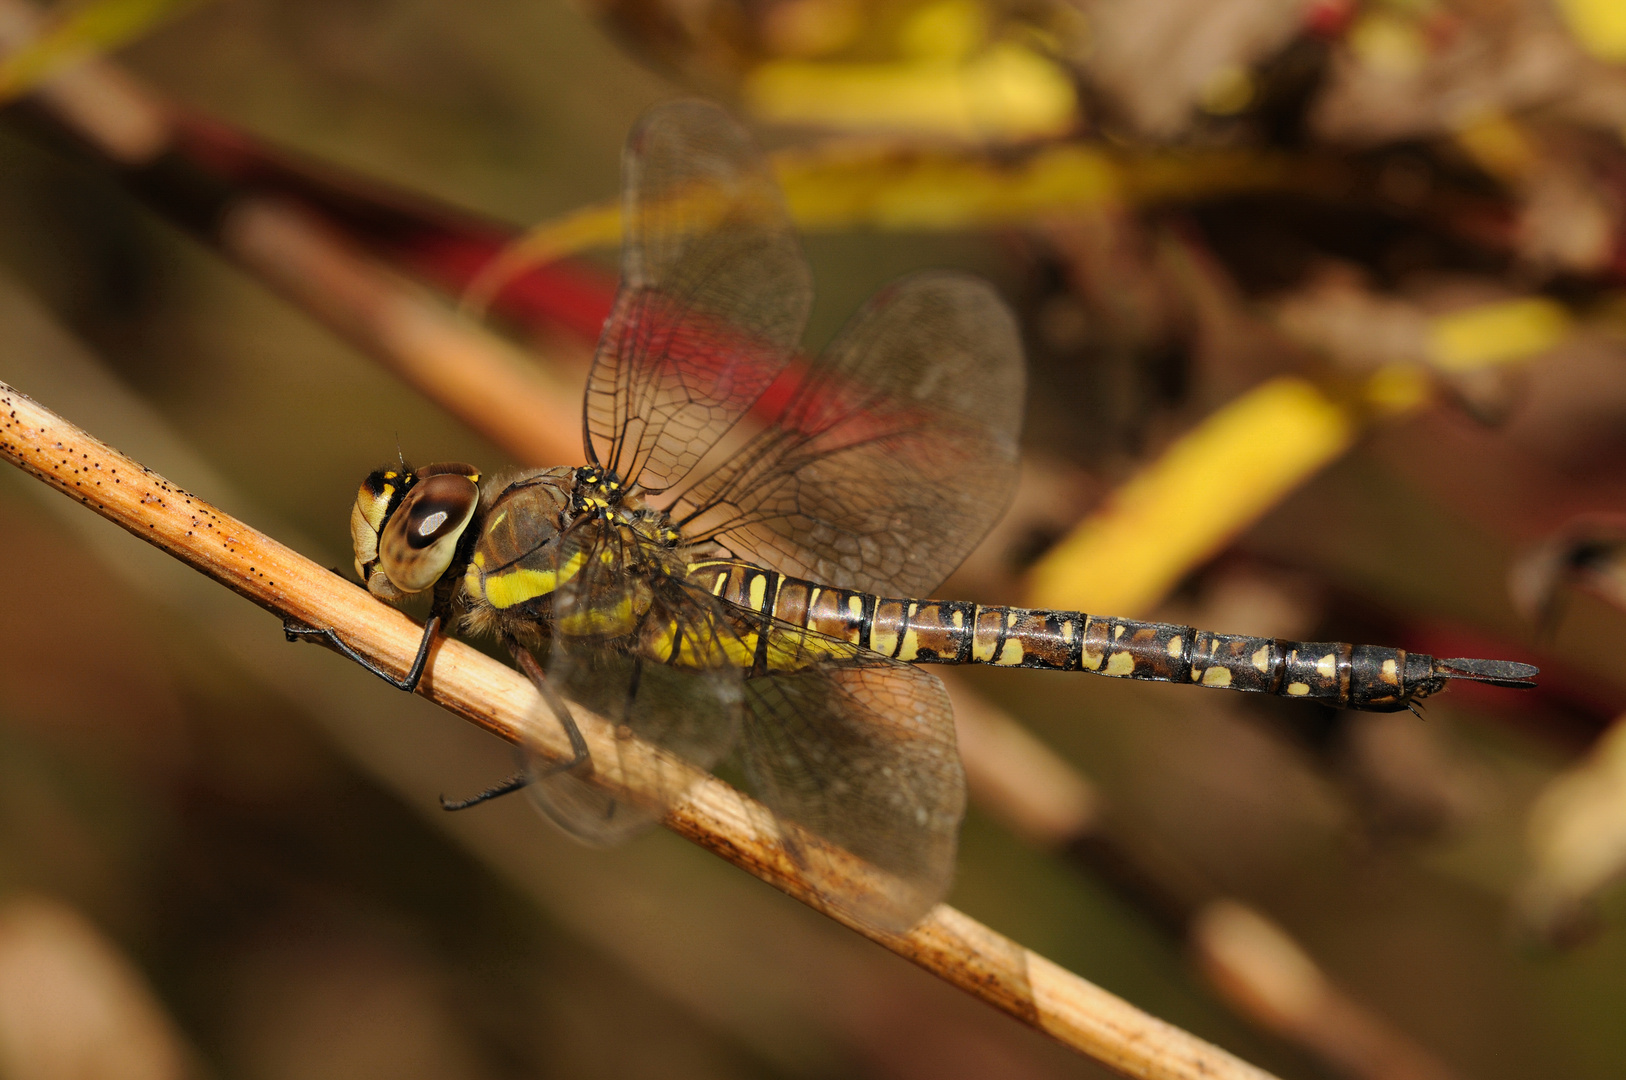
[526, 777]
[506, 787]
[522, 779]
[578, 745]
[299, 632]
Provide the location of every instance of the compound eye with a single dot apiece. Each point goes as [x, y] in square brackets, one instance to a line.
[420, 539]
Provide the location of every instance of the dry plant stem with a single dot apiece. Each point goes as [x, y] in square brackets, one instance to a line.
[499, 699]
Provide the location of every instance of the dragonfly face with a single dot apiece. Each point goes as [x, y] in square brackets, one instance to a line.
[406, 526]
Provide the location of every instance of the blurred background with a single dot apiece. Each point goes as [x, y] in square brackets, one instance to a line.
[1324, 308]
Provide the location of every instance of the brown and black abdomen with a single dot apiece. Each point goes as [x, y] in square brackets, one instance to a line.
[958, 632]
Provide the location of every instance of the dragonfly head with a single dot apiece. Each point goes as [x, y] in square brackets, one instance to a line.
[406, 525]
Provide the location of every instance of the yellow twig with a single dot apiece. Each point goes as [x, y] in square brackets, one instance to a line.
[499, 699]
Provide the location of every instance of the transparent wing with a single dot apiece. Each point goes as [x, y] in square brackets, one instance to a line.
[860, 750]
[617, 597]
[896, 453]
[714, 295]
[841, 741]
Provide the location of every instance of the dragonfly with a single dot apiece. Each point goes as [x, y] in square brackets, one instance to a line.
[738, 568]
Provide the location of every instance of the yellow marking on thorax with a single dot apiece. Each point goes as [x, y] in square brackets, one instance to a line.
[613, 620]
[1327, 666]
[1122, 663]
[1261, 658]
[1217, 676]
[520, 584]
[517, 586]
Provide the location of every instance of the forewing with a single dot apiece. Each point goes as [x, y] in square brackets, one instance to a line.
[689, 716]
[714, 294]
[860, 750]
[898, 450]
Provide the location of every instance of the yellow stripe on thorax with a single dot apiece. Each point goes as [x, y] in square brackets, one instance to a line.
[519, 584]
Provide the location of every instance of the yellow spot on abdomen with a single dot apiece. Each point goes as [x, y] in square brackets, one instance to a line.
[1121, 663]
[1177, 646]
[1011, 654]
[1217, 676]
[1298, 689]
[757, 591]
[1091, 660]
[911, 645]
[1327, 666]
[1261, 658]
[1391, 673]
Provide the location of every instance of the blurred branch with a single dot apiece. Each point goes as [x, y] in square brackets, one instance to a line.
[899, 186]
[72, 1004]
[1254, 965]
[1576, 838]
[1588, 553]
[103, 25]
[291, 250]
[500, 700]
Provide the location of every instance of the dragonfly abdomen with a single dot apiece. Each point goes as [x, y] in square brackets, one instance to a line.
[959, 632]
[1352, 676]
